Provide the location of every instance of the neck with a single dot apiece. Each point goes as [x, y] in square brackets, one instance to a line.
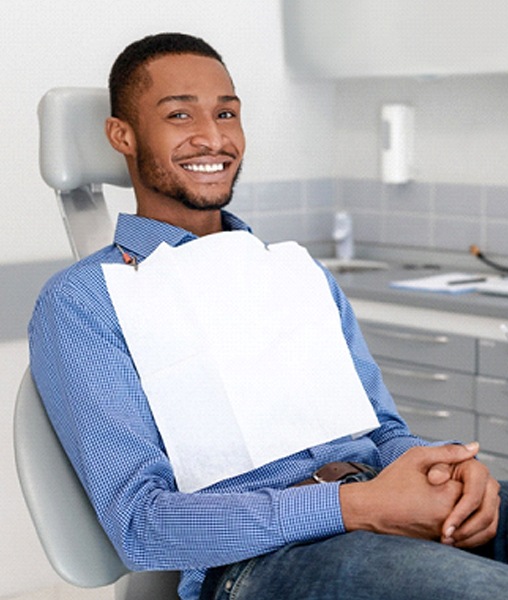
[198, 222]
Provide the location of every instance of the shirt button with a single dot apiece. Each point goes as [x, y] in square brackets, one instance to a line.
[228, 585]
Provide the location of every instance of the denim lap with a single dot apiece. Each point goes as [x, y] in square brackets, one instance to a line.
[362, 565]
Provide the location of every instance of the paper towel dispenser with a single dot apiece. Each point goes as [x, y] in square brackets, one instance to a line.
[369, 38]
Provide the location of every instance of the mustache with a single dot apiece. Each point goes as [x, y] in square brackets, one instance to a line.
[207, 152]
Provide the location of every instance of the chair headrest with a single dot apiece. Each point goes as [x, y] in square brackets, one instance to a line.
[73, 148]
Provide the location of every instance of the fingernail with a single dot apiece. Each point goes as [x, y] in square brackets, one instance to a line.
[449, 532]
[472, 446]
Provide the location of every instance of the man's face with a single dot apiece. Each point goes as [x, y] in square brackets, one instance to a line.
[189, 137]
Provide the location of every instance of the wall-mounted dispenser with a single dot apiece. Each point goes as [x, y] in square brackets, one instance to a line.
[397, 141]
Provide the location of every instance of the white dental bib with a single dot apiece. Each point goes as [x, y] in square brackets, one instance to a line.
[240, 352]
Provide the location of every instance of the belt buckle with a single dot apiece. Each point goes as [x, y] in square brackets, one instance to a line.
[319, 479]
[345, 472]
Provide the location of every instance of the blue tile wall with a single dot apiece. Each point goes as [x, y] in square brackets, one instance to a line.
[436, 216]
[297, 210]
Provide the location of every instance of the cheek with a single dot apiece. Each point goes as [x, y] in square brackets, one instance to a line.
[239, 140]
[162, 143]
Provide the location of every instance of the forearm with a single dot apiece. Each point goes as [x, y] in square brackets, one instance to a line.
[179, 531]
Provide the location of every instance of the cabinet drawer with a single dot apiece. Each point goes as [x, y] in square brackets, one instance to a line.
[429, 384]
[437, 422]
[493, 434]
[423, 347]
[493, 358]
[492, 397]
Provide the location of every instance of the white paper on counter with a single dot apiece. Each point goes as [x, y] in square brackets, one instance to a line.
[240, 352]
[444, 283]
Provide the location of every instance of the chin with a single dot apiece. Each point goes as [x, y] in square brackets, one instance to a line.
[205, 205]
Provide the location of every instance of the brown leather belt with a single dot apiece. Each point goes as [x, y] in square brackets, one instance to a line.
[340, 471]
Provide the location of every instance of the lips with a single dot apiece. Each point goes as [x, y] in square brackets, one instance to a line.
[206, 166]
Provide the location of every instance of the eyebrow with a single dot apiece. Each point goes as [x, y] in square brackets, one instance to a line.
[191, 98]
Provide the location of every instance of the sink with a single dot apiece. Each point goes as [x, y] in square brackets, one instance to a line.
[354, 265]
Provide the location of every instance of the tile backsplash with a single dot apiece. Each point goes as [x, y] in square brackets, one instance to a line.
[430, 216]
[299, 210]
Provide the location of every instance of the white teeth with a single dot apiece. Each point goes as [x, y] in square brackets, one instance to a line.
[204, 168]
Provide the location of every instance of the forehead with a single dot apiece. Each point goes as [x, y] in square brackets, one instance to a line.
[187, 74]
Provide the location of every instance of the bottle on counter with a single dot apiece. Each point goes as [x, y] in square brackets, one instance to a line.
[343, 236]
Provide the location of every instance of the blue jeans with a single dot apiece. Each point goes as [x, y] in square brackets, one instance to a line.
[362, 565]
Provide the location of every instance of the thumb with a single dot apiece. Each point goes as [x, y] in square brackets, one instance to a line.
[438, 459]
[439, 473]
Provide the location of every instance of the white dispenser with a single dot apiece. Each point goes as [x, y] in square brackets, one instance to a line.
[343, 236]
[397, 125]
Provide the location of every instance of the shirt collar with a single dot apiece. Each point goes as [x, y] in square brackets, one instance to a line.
[141, 236]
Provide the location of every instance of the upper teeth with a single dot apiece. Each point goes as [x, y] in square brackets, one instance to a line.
[205, 168]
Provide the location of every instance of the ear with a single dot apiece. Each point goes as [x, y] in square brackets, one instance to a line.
[121, 136]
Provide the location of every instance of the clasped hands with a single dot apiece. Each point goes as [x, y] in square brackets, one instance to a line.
[437, 493]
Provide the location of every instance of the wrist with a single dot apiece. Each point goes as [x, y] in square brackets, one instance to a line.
[358, 507]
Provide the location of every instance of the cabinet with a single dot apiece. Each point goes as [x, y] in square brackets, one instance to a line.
[447, 386]
[369, 38]
[492, 399]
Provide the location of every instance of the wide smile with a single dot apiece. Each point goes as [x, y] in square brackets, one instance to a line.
[208, 169]
[205, 168]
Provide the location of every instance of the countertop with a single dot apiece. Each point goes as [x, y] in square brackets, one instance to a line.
[373, 299]
[375, 286]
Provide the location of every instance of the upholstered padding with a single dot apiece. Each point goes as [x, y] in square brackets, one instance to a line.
[72, 538]
[74, 150]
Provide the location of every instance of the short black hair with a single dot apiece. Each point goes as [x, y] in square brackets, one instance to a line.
[128, 78]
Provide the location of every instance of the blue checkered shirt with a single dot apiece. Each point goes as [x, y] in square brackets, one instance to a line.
[93, 396]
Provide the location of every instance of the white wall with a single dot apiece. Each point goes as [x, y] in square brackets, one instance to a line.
[47, 43]
[461, 127]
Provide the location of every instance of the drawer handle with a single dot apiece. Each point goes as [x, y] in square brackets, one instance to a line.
[411, 337]
[441, 377]
[498, 422]
[421, 412]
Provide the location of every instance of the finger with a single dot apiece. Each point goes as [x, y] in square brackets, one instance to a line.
[448, 453]
[460, 526]
[439, 473]
[476, 533]
[470, 502]
[485, 518]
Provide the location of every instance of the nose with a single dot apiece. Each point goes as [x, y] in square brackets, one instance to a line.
[208, 135]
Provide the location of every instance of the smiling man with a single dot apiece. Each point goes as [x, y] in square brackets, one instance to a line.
[219, 403]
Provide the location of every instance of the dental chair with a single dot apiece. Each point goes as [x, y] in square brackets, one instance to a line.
[76, 160]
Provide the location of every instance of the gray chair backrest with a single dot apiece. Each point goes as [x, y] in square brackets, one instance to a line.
[76, 159]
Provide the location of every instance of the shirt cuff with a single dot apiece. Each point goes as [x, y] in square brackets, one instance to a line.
[310, 512]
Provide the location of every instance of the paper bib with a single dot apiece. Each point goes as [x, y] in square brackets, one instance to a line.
[240, 352]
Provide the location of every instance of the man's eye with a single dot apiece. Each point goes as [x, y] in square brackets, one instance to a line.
[178, 116]
[227, 114]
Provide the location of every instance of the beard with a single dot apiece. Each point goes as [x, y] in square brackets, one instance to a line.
[160, 180]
